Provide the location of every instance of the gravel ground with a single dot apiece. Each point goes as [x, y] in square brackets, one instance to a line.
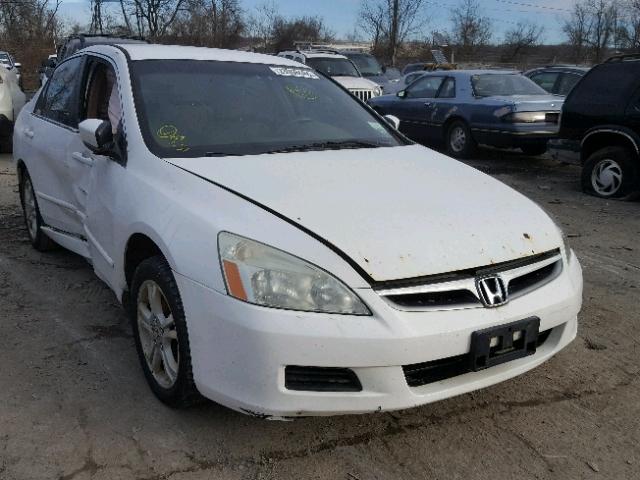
[74, 403]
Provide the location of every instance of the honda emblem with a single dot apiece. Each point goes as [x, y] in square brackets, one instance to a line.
[492, 290]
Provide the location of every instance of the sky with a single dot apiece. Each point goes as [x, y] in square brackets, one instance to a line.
[341, 15]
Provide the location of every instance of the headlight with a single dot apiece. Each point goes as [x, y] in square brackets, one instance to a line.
[377, 91]
[257, 273]
[526, 117]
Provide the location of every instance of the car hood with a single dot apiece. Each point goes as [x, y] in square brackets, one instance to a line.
[397, 212]
[355, 82]
[527, 103]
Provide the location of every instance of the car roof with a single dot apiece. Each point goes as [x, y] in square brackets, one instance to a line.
[469, 73]
[559, 68]
[143, 51]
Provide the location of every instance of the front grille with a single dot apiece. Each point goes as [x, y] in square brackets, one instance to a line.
[420, 374]
[363, 95]
[459, 290]
[321, 379]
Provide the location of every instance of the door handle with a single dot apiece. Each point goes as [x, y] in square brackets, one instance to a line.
[428, 104]
[28, 133]
[82, 158]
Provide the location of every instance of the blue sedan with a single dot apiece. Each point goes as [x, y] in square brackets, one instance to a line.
[465, 108]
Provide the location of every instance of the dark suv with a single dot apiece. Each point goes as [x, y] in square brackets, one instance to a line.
[601, 121]
[83, 40]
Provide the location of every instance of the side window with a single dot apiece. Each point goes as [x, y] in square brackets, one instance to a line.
[448, 89]
[425, 87]
[411, 78]
[567, 82]
[102, 99]
[546, 80]
[59, 102]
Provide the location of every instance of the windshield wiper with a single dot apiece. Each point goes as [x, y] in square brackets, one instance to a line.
[309, 147]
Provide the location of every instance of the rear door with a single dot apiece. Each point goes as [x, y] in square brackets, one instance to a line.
[52, 133]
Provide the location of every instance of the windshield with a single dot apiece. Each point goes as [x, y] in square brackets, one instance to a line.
[367, 64]
[334, 67]
[191, 108]
[489, 85]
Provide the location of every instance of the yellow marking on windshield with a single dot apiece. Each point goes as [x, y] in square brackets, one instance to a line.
[171, 134]
[301, 92]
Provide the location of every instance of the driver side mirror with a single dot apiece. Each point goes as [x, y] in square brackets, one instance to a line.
[97, 136]
[393, 121]
[402, 94]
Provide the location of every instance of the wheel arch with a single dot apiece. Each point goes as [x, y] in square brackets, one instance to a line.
[139, 247]
[449, 121]
[608, 137]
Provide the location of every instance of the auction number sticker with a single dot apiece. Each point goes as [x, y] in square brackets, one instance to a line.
[294, 72]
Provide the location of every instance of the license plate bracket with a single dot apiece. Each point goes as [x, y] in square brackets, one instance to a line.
[497, 345]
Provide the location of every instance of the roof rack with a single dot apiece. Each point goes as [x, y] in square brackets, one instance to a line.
[623, 58]
[105, 35]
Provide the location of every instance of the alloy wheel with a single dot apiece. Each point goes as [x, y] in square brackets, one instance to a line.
[158, 334]
[606, 177]
[458, 139]
[30, 209]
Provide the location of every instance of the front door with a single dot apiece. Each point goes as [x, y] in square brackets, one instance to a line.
[52, 132]
[415, 109]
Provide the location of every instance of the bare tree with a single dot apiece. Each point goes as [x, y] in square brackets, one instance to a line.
[630, 24]
[209, 23]
[593, 28]
[470, 29]
[152, 17]
[261, 24]
[303, 29]
[578, 30]
[521, 39]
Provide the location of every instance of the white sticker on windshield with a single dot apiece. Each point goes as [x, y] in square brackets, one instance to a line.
[377, 126]
[295, 72]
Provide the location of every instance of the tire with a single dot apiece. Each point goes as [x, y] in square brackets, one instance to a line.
[534, 149]
[611, 172]
[32, 218]
[6, 145]
[160, 333]
[460, 142]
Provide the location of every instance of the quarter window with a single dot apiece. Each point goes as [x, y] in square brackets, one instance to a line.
[59, 102]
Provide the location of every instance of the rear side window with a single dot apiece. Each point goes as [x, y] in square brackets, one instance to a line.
[59, 102]
[606, 89]
[567, 82]
[546, 80]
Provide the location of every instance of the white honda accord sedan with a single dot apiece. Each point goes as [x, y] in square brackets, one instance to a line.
[282, 249]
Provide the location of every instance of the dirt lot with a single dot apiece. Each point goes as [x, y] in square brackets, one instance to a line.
[74, 403]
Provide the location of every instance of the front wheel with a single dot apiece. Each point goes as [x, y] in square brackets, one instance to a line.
[611, 172]
[160, 332]
[32, 217]
[460, 142]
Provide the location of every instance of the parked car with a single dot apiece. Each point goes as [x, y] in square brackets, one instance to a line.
[12, 99]
[404, 82]
[601, 124]
[557, 79]
[46, 68]
[338, 67]
[467, 108]
[76, 42]
[7, 61]
[280, 248]
[369, 67]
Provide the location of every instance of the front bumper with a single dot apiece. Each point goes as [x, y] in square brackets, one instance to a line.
[240, 351]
